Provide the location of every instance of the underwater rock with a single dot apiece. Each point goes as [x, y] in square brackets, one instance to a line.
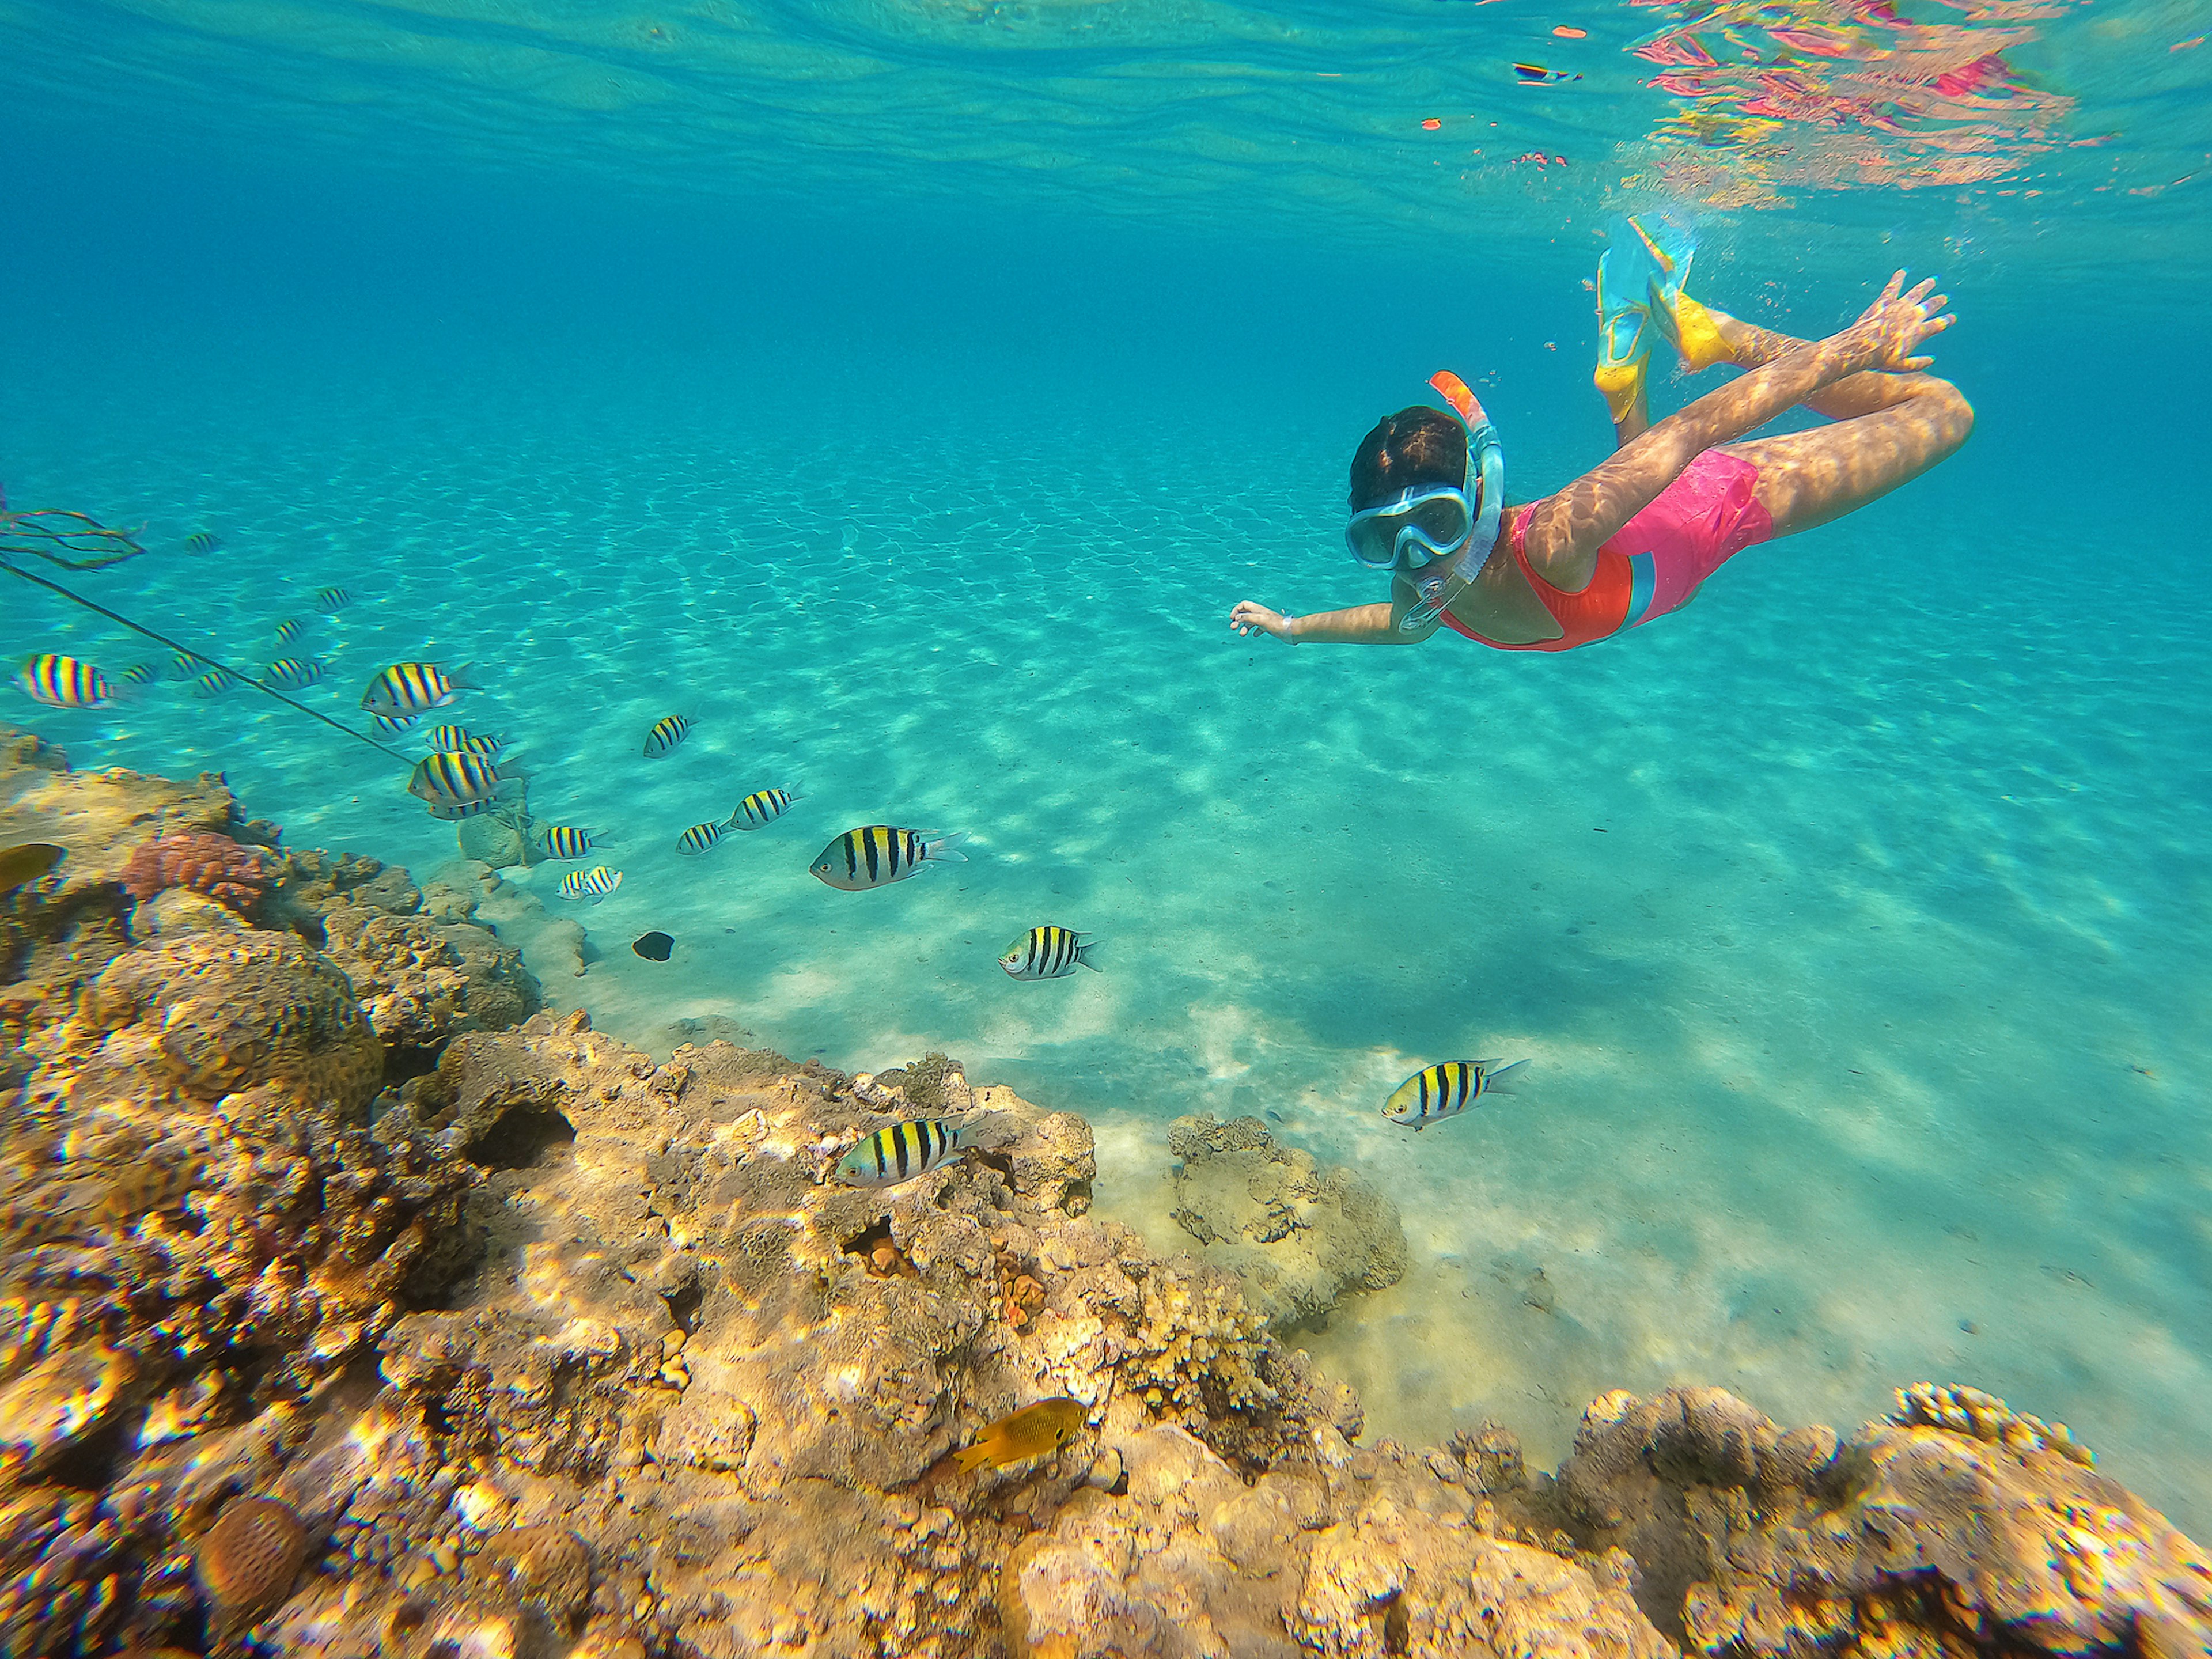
[1299, 1235]
[1956, 1523]
[1347, 1553]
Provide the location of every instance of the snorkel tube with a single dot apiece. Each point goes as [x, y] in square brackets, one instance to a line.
[1485, 462]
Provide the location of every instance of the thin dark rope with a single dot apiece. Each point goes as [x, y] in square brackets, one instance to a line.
[201, 656]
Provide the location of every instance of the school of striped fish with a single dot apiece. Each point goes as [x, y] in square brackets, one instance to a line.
[461, 778]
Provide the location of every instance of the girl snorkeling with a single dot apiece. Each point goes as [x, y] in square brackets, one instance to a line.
[1633, 537]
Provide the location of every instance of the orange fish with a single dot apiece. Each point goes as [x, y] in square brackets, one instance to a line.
[1030, 1432]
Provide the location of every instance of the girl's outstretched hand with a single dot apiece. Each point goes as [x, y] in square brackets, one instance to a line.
[1250, 618]
[1889, 330]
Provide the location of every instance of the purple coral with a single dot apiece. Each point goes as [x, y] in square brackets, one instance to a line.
[202, 860]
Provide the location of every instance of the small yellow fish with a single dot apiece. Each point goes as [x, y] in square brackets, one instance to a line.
[1030, 1432]
[25, 862]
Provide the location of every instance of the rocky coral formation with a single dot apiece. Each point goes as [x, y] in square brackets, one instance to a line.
[1299, 1236]
[570, 1354]
[1956, 1525]
[204, 862]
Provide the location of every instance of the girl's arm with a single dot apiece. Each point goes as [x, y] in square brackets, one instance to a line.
[1363, 624]
[1564, 532]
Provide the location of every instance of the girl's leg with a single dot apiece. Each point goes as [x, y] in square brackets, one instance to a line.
[1887, 430]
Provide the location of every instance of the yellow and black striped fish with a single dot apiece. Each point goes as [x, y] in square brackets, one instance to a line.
[393, 725]
[410, 688]
[1048, 951]
[141, 673]
[667, 732]
[457, 777]
[700, 836]
[64, 683]
[203, 541]
[562, 841]
[332, 600]
[293, 672]
[900, 1152]
[878, 854]
[1447, 1089]
[460, 740]
[594, 883]
[289, 629]
[214, 682]
[183, 665]
[762, 807]
[454, 811]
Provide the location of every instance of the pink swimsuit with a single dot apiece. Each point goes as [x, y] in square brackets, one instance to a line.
[1655, 561]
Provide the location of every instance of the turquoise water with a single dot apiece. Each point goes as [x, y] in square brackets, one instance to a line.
[906, 393]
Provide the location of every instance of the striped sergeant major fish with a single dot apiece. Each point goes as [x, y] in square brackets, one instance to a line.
[458, 777]
[289, 629]
[62, 682]
[1048, 951]
[900, 1152]
[460, 740]
[562, 841]
[762, 807]
[411, 688]
[393, 725]
[1446, 1089]
[454, 810]
[183, 665]
[594, 883]
[878, 854]
[293, 672]
[700, 836]
[332, 600]
[203, 541]
[214, 682]
[667, 732]
[141, 673]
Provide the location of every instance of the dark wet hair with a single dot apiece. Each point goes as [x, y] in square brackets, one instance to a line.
[1416, 446]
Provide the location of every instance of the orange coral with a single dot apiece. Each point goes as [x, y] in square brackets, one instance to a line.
[207, 863]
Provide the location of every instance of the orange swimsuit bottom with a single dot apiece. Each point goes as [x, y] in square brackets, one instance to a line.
[1652, 565]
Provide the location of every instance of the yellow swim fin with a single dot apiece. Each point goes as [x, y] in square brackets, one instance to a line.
[1688, 326]
[1624, 316]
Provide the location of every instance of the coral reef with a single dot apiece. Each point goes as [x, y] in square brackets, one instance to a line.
[207, 863]
[334, 1322]
[1956, 1525]
[1298, 1235]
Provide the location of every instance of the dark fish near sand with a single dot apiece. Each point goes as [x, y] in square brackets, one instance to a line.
[1446, 1089]
[1048, 953]
[25, 862]
[332, 600]
[292, 672]
[594, 883]
[762, 807]
[878, 854]
[653, 947]
[562, 841]
[412, 688]
[62, 682]
[900, 1152]
[700, 836]
[460, 740]
[445, 778]
[203, 541]
[667, 732]
[1030, 1432]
